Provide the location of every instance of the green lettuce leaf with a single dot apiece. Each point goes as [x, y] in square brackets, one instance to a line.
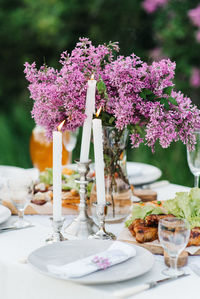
[141, 211]
[185, 205]
[46, 176]
[69, 182]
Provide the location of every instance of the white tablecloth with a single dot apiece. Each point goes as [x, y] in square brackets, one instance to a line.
[21, 281]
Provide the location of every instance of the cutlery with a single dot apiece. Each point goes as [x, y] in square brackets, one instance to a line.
[11, 228]
[156, 185]
[135, 290]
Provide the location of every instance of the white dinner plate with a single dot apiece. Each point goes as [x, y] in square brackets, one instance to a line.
[68, 251]
[141, 173]
[5, 214]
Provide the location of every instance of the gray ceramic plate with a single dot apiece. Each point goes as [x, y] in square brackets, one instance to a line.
[69, 251]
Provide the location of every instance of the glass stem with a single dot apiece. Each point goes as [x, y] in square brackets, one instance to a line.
[70, 157]
[196, 181]
[173, 264]
[21, 215]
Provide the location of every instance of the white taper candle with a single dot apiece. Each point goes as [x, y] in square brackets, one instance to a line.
[99, 161]
[57, 174]
[89, 110]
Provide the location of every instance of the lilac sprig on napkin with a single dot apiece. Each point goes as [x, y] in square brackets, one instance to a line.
[117, 253]
[101, 262]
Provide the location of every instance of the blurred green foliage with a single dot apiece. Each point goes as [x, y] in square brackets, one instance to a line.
[39, 30]
[174, 33]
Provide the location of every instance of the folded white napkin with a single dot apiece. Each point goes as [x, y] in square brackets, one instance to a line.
[117, 253]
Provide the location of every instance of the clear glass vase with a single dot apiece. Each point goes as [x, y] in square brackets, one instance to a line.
[117, 187]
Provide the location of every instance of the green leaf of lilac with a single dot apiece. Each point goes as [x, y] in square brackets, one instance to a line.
[168, 90]
[130, 128]
[139, 129]
[164, 101]
[151, 97]
[173, 101]
[101, 87]
[143, 95]
[105, 117]
[147, 91]
[106, 96]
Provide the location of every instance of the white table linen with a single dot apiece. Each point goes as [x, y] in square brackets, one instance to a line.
[20, 281]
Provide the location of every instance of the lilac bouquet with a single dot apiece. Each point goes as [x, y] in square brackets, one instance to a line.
[132, 95]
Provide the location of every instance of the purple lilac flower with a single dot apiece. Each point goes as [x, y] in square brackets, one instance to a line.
[61, 94]
[152, 5]
[195, 78]
[136, 140]
[197, 35]
[102, 263]
[156, 54]
[194, 15]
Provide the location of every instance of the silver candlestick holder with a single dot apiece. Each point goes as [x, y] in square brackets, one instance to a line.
[56, 235]
[82, 226]
[102, 234]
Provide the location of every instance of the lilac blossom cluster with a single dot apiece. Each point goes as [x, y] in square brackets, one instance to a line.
[152, 5]
[194, 15]
[195, 77]
[132, 94]
[102, 263]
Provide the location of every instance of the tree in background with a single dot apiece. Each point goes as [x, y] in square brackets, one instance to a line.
[39, 30]
[176, 31]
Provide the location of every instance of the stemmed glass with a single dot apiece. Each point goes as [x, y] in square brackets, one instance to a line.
[20, 191]
[193, 158]
[173, 234]
[69, 141]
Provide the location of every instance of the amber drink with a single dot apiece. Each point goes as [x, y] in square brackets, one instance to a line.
[41, 149]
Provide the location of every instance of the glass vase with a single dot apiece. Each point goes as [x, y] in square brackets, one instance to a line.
[117, 187]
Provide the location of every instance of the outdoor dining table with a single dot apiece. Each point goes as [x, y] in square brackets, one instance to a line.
[20, 280]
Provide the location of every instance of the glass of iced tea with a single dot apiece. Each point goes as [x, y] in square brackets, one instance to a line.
[41, 149]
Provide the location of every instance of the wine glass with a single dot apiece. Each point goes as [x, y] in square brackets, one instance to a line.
[173, 234]
[20, 192]
[193, 158]
[69, 141]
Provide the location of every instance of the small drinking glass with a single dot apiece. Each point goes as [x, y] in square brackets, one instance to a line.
[173, 234]
[69, 141]
[20, 193]
[193, 158]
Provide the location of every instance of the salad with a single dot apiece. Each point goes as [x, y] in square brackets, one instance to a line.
[185, 205]
[69, 178]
